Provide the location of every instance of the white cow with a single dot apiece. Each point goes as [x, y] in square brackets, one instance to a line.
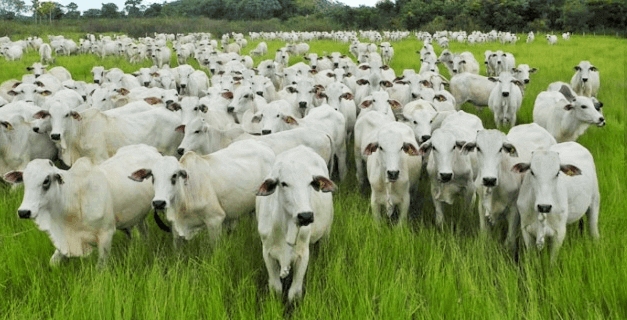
[204, 191]
[505, 99]
[161, 56]
[45, 54]
[497, 186]
[452, 160]
[365, 127]
[464, 62]
[392, 170]
[559, 186]
[294, 209]
[565, 116]
[260, 50]
[586, 81]
[473, 88]
[85, 204]
[522, 72]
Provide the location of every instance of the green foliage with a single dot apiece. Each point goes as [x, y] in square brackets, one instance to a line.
[91, 14]
[109, 11]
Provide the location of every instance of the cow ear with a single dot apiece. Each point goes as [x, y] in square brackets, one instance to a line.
[400, 117]
[306, 58]
[371, 148]
[365, 104]
[568, 107]
[440, 97]
[385, 83]
[227, 95]
[123, 91]
[15, 85]
[468, 147]
[153, 100]
[183, 174]
[515, 70]
[136, 73]
[30, 68]
[12, 93]
[493, 79]
[43, 114]
[410, 149]
[460, 144]
[348, 75]
[533, 70]
[76, 115]
[203, 108]
[395, 105]
[7, 125]
[518, 83]
[313, 71]
[577, 68]
[565, 90]
[510, 149]
[343, 56]
[172, 106]
[140, 175]
[323, 184]
[321, 95]
[45, 93]
[347, 96]
[425, 148]
[267, 187]
[14, 177]
[426, 83]
[570, 170]
[362, 82]
[257, 118]
[521, 167]
[290, 120]
[180, 129]
[58, 178]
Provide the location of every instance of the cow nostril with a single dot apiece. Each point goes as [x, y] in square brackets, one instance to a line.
[304, 219]
[505, 94]
[146, 83]
[393, 175]
[313, 67]
[158, 204]
[265, 132]
[169, 102]
[180, 150]
[260, 93]
[230, 109]
[36, 129]
[544, 208]
[526, 80]
[183, 85]
[414, 96]
[499, 62]
[584, 79]
[24, 214]
[55, 136]
[302, 104]
[455, 70]
[96, 81]
[489, 181]
[425, 137]
[446, 177]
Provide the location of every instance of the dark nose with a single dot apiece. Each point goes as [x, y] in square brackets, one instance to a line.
[183, 86]
[212, 70]
[314, 67]
[24, 214]
[304, 218]
[302, 104]
[584, 79]
[96, 81]
[260, 93]
[601, 121]
[489, 181]
[446, 177]
[180, 150]
[544, 208]
[498, 62]
[230, 109]
[158, 204]
[414, 96]
[146, 83]
[264, 132]
[169, 102]
[55, 136]
[526, 81]
[454, 70]
[37, 75]
[335, 65]
[393, 175]
[425, 137]
[505, 94]
[36, 129]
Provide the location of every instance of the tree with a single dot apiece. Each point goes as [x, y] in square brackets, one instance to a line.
[109, 10]
[73, 12]
[153, 11]
[47, 9]
[91, 13]
[35, 8]
[132, 7]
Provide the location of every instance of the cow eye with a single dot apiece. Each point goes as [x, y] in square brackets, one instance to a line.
[46, 183]
[415, 122]
[277, 115]
[381, 148]
[533, 174]
[479, 149]
[105, 99]
[433, 148]
[173, 179]
[67, 115]
[500, 150]
[197, 131]
[584, 107]
[283, 184]
[195, 108]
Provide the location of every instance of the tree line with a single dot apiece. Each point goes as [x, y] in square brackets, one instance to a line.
[430, 15]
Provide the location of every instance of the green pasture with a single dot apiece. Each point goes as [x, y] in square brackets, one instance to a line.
[365, 270]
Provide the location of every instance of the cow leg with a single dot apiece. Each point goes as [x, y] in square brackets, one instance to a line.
[104, 246]
[214, 224]
[527, 239]
[274, 280]
[439, 215]
[359, 171]
[513, 219]
[404, 209]
[341, 161]
[57, 258]
[300, 267]
[556, 243]
[482, 211]
[593, 218]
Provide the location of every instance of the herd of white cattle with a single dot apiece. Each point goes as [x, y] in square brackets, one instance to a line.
[269, 139]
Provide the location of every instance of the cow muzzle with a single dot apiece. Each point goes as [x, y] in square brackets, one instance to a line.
[55, 136]
[266, 132]
[393, 175]
[304, 219]
[180, 151]
[505, 94]
[24, 214]
[544, 208]
[489, 181]
[584, 79]
[601, 122]
[446, 177]
[158, 204]
[230, 109]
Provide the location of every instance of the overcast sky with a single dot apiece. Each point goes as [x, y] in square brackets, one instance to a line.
[84, 5]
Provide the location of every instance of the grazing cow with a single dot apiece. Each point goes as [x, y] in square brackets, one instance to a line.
[294, 208]
[45, 54]
[205, 190]
[161, 56]
[586, 81]
[452, 160]
[552, 39]
[559, 186]
[473, 88]
[85, 204]
[497, 186]
[260, 50]
[391, 170]
[505, 99]
[565, 116]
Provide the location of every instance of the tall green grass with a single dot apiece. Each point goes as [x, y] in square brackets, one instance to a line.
[365, 270]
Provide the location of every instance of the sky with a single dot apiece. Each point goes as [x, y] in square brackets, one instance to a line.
[84, 5]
